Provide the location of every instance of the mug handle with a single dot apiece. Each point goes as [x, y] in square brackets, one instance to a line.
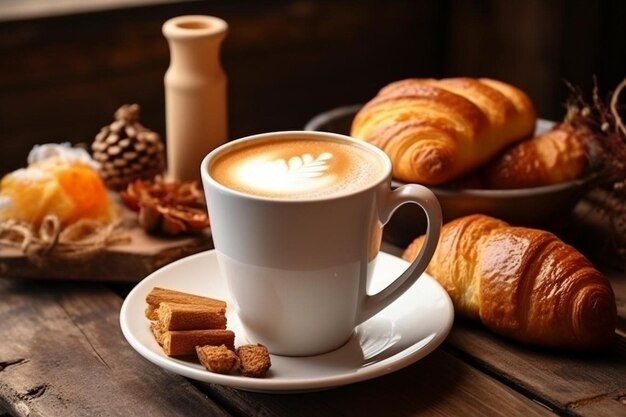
[422, 196]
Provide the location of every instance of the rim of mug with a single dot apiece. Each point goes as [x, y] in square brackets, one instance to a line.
[287, 134]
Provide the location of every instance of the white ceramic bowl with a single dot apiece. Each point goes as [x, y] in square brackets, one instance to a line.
[531, 207]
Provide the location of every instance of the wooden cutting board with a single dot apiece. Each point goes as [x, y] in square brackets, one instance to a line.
[130, 262]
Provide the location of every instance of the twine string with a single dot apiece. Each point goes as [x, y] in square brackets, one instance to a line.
[82, 238]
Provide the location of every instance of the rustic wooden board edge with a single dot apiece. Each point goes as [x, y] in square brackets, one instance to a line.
[109, 265]
[129, 261]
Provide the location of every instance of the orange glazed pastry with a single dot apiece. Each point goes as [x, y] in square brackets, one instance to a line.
[59, 181]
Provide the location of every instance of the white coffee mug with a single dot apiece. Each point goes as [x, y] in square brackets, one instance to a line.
[298, 268]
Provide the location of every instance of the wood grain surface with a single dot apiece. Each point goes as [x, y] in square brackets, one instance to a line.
[63, 354]
[438, 385]
[592, 384]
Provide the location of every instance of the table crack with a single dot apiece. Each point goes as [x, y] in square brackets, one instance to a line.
[34, 392]
[93, 348]
[620, 397]
[11, 362]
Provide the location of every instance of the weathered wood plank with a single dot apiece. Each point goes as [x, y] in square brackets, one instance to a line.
[438, 385]
[592, 384]
[63, 354]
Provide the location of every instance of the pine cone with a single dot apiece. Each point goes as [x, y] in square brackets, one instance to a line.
[127, 151]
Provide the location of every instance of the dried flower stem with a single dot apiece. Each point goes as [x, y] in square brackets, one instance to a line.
[619, 124]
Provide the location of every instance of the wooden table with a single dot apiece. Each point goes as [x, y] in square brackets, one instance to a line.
[62, 354]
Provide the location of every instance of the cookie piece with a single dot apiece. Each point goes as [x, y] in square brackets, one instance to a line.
[255, 360]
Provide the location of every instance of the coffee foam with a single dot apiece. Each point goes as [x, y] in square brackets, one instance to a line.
[296, 168]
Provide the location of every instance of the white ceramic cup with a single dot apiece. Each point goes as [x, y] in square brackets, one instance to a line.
[298, 270]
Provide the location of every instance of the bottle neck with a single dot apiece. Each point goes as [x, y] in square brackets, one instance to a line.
[199, 54]
[195, 42]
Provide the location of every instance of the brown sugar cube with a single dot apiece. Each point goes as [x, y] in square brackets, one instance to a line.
[159, 295]
[184, 342]
[174, 316]
[218, 359]
[255, 360]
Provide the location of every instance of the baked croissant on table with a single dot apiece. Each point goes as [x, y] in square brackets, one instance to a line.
[522, 283]
[437, 130]
[558, 155]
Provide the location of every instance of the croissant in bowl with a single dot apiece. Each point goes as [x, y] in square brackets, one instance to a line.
[560, 154]
[522, 283]
[434, 131]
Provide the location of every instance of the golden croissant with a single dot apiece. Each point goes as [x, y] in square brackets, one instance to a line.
[522, 283]
[555, 156]
[437, 130]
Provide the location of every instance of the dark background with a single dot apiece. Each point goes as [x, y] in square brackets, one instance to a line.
[63, 74]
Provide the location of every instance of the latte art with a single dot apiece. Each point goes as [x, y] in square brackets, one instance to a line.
[296, 168]
[281, 175]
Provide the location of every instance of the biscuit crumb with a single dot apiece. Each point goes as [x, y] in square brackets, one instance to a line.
[218, 359]
[255, 360]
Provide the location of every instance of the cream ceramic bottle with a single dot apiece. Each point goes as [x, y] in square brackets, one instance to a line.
[195, 93]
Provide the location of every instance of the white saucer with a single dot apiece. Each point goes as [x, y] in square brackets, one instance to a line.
[401, 334]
